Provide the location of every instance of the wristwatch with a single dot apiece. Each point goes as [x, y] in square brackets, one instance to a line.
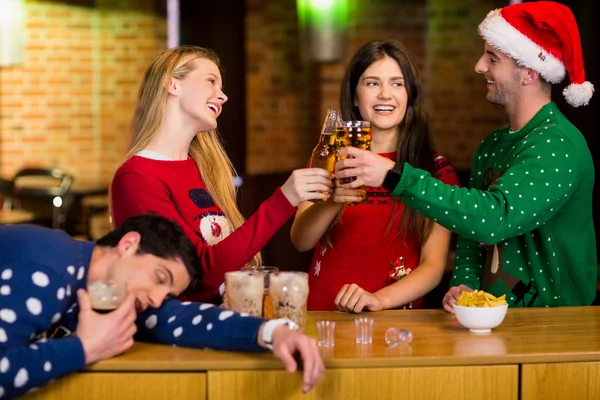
[393, 177]
[270, 326]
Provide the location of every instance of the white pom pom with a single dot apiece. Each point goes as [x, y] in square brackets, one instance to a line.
[579, 94]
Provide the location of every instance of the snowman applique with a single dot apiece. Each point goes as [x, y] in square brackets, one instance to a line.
[212, 223]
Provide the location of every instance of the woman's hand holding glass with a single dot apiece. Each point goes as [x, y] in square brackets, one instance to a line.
[307, 184]
[346, 196]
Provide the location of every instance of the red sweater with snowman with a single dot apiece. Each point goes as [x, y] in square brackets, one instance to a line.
[175, 190]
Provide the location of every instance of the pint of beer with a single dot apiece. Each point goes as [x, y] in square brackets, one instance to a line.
[245, 291]
[356, 134]
[267, 302]
[289, 293]
[324, 153]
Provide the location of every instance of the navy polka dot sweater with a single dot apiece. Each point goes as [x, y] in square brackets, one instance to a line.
[40, 273]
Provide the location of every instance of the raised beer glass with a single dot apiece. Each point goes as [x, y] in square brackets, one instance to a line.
[324, 153]
[356, 134]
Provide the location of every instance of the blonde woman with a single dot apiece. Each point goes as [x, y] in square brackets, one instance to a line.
[177, 168]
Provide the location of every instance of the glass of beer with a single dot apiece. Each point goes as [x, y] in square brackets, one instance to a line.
[267, 301]
[324, 153]
[106, 295]
[289, 293]
[245, 290]
[356, 134]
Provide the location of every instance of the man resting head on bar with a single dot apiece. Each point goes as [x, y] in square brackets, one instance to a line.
[48, 328]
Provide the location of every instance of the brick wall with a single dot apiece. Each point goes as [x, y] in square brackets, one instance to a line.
[278, 93]
[288, 97]
[70, 104]
[461, 116]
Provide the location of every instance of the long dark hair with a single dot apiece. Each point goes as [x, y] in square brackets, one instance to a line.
[415, 143]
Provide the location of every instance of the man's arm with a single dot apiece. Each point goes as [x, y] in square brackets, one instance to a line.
[467, 274]
[24, 367]
[30, 306]
[468, 264]
[532, 190]
[199, 325]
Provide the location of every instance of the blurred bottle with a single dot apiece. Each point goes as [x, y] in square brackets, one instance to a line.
[324, 153]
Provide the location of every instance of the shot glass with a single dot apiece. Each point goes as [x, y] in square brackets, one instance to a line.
[395, 337]
[325, 333]
[364, 350]
[327, 353]
[364, 330]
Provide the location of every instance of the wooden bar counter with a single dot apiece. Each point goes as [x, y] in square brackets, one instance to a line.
[549, 353]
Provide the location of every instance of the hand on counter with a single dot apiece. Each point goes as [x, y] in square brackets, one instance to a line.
[289, 344]
[452, 295]
[353, 298]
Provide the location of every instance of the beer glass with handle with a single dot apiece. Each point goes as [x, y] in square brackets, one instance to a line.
[267, 302]
[289, 293]
[356, 134]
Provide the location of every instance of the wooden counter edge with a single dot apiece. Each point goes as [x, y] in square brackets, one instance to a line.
[273, 363]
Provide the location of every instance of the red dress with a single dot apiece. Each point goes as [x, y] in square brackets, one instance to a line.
[362, 252]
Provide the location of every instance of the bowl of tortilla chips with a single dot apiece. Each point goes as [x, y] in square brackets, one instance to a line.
[479, 311]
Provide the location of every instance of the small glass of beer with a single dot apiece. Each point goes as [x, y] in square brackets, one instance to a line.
[106, 295]
[356, 134]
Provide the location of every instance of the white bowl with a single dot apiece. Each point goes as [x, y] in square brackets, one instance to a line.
[480, 319]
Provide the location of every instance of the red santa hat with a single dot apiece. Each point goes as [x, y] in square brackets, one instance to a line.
[542, 36]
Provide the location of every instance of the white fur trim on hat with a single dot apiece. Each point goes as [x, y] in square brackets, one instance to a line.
[509, 40]
[579, 94]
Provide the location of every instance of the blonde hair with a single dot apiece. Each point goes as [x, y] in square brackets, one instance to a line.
[206, 149]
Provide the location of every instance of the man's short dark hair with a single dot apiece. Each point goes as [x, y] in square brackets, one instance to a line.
[160, 237]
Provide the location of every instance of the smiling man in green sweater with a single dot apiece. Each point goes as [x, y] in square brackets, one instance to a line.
[525, 221]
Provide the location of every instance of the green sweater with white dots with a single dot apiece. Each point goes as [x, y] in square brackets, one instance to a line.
[525, 222]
